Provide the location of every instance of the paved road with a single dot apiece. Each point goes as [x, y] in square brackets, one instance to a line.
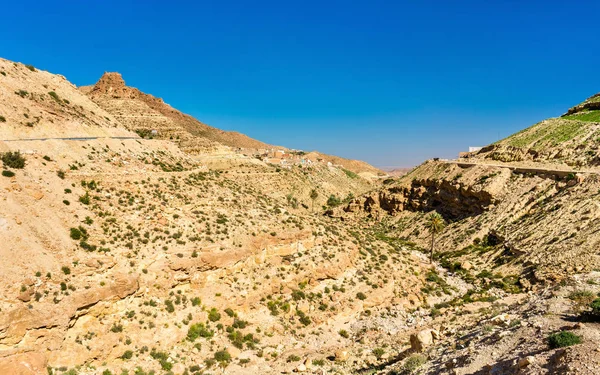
[65, 139]
[524, 168]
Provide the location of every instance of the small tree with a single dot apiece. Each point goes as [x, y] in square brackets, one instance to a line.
[435, 223]
[313, 196]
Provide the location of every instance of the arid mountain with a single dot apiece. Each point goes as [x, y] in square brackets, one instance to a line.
[152, 117]
[144, 113]
[128, 255]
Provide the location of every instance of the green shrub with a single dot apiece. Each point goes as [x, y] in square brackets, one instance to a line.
[66, 270]
[127, 355]
[2, 119]
[75, 234]
[378, 352]
[412, 363]
[350, 173]
[563, 339]
[8, 173]
[30, 67]
[344, 333]
[199, 330]
[222, 356]
[361, 296]
[61, 174]
[293, 358]
[85, 199]
[13, 160]
[54, 96]
[229, 312]
[169, 306]
[333, 201]
[213, 315]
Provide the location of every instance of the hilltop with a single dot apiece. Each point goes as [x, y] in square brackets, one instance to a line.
[151, 117]
[571, 140]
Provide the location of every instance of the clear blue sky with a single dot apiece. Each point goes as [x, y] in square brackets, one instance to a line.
[389, 82]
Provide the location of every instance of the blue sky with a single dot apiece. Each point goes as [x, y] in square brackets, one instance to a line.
[389, 82]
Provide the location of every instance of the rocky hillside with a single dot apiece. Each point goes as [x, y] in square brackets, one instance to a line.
[134, 255]
[572, 140]
[38, 104]
[518, 217]
[151, 117]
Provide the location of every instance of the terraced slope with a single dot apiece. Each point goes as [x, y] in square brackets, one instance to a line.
[570, 140]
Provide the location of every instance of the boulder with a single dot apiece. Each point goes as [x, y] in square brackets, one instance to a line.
[421, 340]
[342, 355]
[524, 362]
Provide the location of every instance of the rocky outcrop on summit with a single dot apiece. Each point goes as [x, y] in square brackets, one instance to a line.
[591, 104]
[145, 113]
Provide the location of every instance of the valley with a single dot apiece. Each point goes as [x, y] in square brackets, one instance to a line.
[138, 240]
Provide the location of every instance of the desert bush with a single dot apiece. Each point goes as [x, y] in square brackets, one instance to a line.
[198, 330]
[333, 201]
[350, 174]
[13, 160]
[563, 339]
[85, 199]
[378, 352]
[30, 67]
[54, 96]
[229, 312]
[169, 306]
[412, 363]
[213, 315]
[8, 173]
[222, 356]
[2, 119]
